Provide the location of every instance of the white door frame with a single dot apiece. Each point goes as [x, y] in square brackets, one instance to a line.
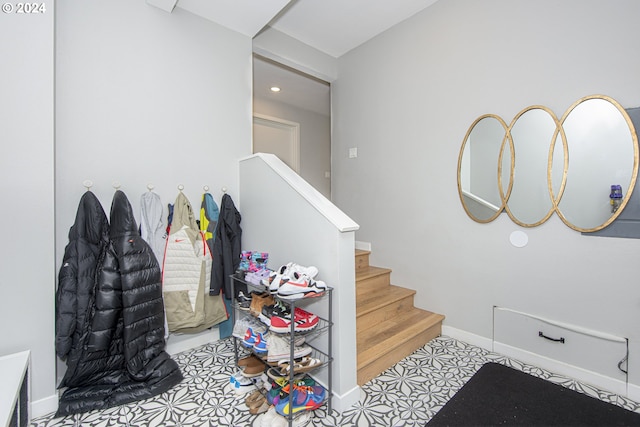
[293, 129]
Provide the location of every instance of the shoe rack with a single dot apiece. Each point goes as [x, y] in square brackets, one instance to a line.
[312, 338]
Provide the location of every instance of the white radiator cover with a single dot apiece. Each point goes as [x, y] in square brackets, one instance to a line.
[586, 355]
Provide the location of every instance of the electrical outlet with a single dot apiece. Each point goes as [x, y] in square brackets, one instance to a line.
[353, 152]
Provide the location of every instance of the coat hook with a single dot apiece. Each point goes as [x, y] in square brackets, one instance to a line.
[180, 187]
[206, 188]
[88, 184]
[224, 189]
[116, 185]
[150, 187]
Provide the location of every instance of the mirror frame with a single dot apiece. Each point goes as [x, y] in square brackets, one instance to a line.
[500, 157]
[555, 198]
[548, 184]
[634, 171]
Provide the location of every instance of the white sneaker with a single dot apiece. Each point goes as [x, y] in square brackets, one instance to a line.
[301, 286]
[280, 349]
[243, 385]
[285, 273]
[280, 421]
[310, 271]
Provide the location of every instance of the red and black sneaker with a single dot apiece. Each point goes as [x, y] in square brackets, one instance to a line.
[303, 321]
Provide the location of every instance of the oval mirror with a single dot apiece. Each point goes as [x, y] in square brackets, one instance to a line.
[603, 152]
[532, 131]
[480, 164]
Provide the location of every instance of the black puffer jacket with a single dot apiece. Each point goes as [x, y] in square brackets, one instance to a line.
[227, 245]
[88, 242]
[121, 355]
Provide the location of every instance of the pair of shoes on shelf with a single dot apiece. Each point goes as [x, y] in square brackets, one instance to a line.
[301, 286]
[272, 419]
[244, 301]
[257, 403]
[286, 272]
[259, 300]
[278, 308]
[251, 366]
[301, 397]
[256, 277]
[241, 384]
[280, 348]
[305, 364]
[278, 386]
[256, 340]
[303, 321]
[243, 323]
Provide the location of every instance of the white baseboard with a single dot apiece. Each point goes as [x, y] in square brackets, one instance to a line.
[613, 385]
[342, 402]
[633, 392]
[363, 246]
[177, 343]
[467, 337]
[41, 407]
[571, 371]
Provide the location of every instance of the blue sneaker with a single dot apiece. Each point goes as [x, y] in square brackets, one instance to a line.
[250, 338]
[260, 343]
[305, 398]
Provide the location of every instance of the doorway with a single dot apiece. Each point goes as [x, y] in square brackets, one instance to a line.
[279, 137]
[293, 123]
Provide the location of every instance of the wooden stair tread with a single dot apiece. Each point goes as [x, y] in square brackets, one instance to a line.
[371, 271]
[375, 342]
[362, 252]
[371, 301]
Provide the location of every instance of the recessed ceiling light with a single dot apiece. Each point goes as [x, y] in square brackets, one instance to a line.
[275, 89]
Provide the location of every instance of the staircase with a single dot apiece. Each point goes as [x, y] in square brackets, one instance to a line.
[388, 326]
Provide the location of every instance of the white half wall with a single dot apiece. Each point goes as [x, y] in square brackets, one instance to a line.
[286, 217]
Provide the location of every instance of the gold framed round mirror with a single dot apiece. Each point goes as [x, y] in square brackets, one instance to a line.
[603, 152]
[481, 168]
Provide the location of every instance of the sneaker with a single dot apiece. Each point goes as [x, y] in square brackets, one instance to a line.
[244, 385]
[310, 271]
[240, 327]
[303, 321]
[257, 277]
[235, 377]
[244, 302]
[250, 338]
[305, 398]
[245, 322]
[276, 309]
[280, 348]
[275, 279]
[260, 344]
[285, 272]
[301, 286]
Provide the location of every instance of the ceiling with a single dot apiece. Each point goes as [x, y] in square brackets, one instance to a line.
[331, 26]
[337, 26]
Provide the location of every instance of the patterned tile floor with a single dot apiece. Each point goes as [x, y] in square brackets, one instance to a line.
[407, 394]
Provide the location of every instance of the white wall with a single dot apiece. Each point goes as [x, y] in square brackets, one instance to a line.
[406, 100]
[147, 97]
[26, 187]
[142, 96]
[315, 140]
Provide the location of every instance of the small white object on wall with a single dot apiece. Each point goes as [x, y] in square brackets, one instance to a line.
[519, 239]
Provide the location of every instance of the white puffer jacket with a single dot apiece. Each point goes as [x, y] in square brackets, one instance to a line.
[186, 275]
[186, 256]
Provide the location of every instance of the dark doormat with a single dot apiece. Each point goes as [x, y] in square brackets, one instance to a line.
[498, 395]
